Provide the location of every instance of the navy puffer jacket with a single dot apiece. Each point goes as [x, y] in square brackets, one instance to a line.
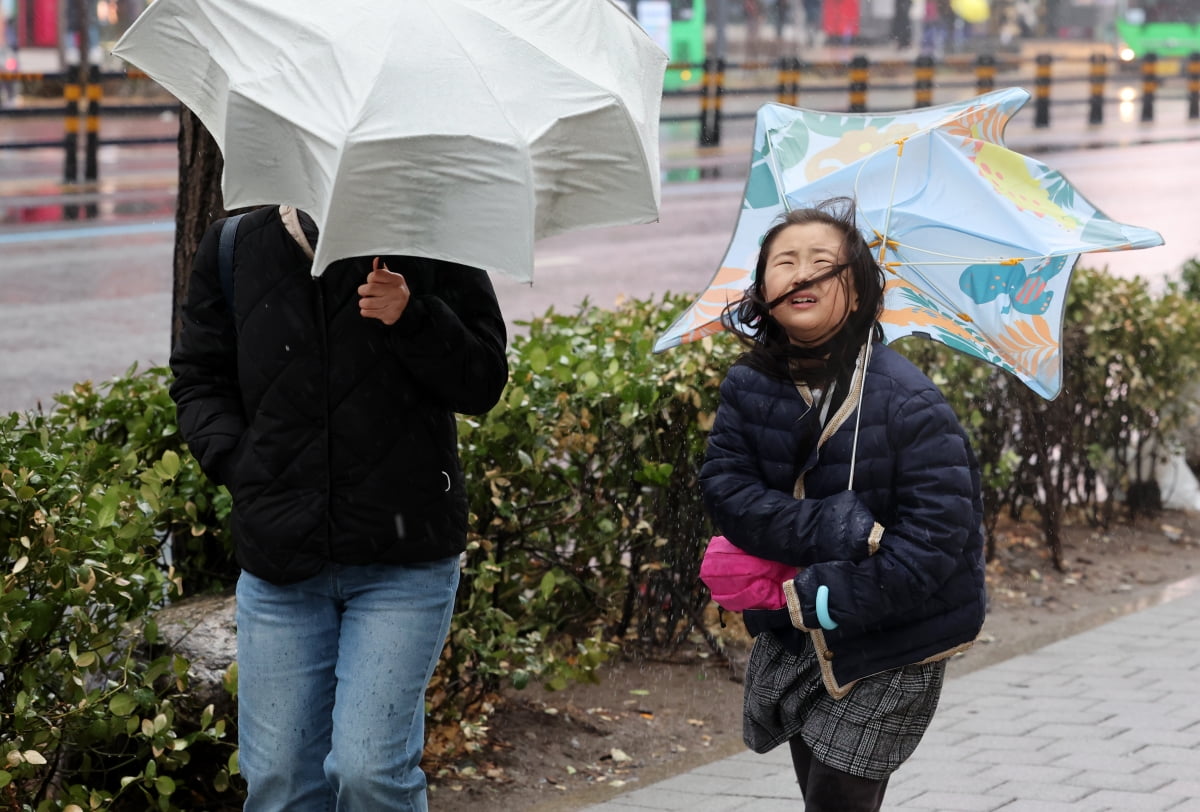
[336, 434]
[920, 594]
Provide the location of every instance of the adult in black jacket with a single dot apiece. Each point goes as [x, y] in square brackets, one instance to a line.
[327, 406]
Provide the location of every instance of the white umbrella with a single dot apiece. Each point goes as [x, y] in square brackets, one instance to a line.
[456, 129]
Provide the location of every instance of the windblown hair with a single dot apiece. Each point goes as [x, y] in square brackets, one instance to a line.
[767, 346]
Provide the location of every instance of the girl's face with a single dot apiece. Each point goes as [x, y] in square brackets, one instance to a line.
[811, 313]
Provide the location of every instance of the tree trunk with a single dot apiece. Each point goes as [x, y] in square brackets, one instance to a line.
[199, 203]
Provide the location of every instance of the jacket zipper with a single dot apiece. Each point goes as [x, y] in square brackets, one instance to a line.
[323, 338]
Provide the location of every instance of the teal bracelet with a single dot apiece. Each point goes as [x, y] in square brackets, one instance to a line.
[823, 609]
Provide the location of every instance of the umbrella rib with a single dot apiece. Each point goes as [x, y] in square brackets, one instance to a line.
[887, 218]
[776, 170]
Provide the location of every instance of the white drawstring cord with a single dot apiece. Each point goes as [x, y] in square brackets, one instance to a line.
[864, 358]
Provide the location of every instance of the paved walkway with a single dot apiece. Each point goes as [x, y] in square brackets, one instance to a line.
[1106, 720]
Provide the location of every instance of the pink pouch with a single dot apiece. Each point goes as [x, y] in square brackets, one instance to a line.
[739, 581]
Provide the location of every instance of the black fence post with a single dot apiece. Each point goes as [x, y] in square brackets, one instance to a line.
[1193, 85]
[706, 138]
[985, 73]
[923, 86]
[718, 97]
[1097, 74]
[784, 94]
[860, 74]
[1041, 90]
[1149, 85]
[93, 93]
[71, 93]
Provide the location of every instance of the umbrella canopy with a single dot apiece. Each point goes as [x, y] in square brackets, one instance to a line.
[978, 242]
[455, 129]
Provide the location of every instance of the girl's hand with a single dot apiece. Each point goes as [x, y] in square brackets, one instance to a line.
[384, 295]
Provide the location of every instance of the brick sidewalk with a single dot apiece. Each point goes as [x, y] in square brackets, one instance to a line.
[1106, 720]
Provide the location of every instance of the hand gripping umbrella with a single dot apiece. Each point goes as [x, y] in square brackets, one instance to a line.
[977, 242]
[455, 129]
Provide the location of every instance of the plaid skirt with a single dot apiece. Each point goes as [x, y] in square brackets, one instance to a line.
[868, 733]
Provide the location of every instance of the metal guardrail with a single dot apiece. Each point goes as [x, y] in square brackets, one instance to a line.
[855, 80]
[81, 111]
[981, 75]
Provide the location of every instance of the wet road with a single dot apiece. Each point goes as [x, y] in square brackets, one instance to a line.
[85, 299]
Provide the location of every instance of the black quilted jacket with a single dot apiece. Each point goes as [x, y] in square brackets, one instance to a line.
[922, 594]
[335, 433]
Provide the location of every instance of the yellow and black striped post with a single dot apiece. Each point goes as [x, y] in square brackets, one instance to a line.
[1097, 75]
[923, 78]
[789, 80]
[1041, 90]
[860, 75]
[71, 93]
[93, 91]
[717, 100]
[985, 73]
[1149, 85]
[1193, 85]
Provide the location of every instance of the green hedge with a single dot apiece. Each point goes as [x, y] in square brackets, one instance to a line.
[587, 527]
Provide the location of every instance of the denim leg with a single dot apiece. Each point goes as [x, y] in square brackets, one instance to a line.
[394, 626]
[287, 641]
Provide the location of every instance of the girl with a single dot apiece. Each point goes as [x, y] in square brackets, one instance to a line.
[833, 454]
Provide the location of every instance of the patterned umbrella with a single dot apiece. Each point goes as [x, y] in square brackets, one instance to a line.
[978, 242]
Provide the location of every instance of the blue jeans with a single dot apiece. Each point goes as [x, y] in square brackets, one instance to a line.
[331, 685]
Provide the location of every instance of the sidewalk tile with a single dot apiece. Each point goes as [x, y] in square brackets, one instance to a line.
[1030, 773]
[1185, 757]
[956, 802]
[1028, 792]
[1031, 805]
[1132, 801]
[1124, 782]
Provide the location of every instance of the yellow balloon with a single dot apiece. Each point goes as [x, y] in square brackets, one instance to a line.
[972, 11]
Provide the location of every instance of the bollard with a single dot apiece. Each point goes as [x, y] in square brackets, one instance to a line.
[1041, 90]
[718, 98]
[985, 73]
[789, 80]
[1097, 74]
[706, 137]
[94, 92]
[923, 89]
[860, 70]
[1149, 85]
[1193, 85]
[71, 126]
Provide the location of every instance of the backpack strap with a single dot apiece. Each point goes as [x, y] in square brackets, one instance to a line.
[225, 259]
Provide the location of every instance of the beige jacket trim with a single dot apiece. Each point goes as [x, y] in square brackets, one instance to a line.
[837, 690]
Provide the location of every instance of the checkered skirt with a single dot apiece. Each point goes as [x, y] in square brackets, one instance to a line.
[868, 733]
